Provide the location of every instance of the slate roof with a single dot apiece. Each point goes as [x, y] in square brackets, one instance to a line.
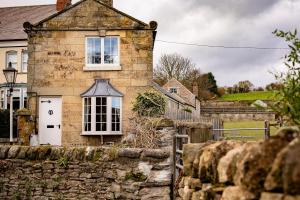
[101, 87]
[12, 19]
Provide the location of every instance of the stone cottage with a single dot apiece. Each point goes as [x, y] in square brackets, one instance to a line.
[86, 65]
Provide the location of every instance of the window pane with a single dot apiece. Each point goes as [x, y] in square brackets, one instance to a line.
[173, 90]
[115, 114]
[11, 58]
[24, 61]
[87, 114]
[93, 50]
[2, 99]
[111, 50]
[101, 110]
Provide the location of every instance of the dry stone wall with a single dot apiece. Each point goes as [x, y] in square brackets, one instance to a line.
[84, 173]
[232, 117]
[236, 170]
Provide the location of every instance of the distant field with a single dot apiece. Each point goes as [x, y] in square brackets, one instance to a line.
[257, 134]
[251, 96]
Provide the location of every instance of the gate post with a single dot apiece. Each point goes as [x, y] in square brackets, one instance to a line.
[25, 126]
[173, 192]
[267, 129]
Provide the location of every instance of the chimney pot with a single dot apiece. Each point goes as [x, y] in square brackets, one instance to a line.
[195, 89]
[62, 4]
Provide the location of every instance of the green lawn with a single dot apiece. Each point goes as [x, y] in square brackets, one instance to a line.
[257, 134]
[251, 96]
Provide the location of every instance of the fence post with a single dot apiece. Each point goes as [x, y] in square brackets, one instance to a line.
[267, 129]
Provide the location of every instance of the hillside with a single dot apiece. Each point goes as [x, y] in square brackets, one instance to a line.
[251, 96]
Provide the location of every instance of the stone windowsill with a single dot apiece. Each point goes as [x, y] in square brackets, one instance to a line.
[100, 133]
[102, 68]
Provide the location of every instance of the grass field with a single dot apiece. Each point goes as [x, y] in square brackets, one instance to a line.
[257, 134]
[251, 96]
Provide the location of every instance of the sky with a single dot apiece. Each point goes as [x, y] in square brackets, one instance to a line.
[216, 23]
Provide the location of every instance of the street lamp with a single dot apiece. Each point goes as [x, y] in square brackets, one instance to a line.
[10, 74]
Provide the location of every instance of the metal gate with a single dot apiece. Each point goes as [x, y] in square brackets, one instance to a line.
[235, 133]
[179, 140]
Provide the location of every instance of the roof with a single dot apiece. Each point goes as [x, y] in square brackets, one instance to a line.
[101, 87]
[182, 86]
[168, 94]
[98, 1]
[12, 19]
[178, 82]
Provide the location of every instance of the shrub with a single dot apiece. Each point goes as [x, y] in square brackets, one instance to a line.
[288, 103]
[149, 103]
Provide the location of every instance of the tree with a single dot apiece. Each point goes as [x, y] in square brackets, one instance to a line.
[184, 70]
[173, 66]
[288, 97]
[244, 86]
[274, 86]
[212, 83]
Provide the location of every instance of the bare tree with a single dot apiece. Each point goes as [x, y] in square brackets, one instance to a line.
[173, 66]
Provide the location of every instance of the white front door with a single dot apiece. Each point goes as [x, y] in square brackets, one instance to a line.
[50, 120]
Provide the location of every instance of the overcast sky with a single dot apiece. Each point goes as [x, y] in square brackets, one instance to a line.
[215, 22]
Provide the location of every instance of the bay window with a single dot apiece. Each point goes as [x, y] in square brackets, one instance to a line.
[102, 110]
[102, 53]
[102, 115]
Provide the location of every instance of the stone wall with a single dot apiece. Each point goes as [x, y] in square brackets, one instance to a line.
[242, 116]
[235, 111]
[235, 170]
[84, 173]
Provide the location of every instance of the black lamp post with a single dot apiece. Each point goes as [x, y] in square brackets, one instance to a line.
[10, 74]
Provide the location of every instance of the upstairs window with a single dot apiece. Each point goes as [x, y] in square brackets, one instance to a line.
[173, 90]
[24, 61]
[102, 51]
[12, 57]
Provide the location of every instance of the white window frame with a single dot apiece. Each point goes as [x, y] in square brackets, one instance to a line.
[108, 117]
[22, 92]
[102, 66]
[23, 61]
[2, 99]
[10, 53]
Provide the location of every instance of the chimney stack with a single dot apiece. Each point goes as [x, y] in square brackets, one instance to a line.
[62, 4]
[108, 2]
[195, 89]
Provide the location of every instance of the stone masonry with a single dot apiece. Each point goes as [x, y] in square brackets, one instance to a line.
[57, 60]
[84, 173]
[236, 170]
